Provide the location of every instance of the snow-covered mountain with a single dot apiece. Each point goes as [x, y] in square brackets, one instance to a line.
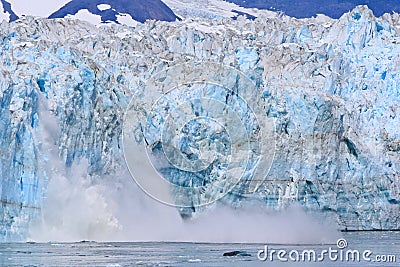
[309, 8]
[253, 8]
[129, 12]
[125, 11]
[115, 11]
[94, 11]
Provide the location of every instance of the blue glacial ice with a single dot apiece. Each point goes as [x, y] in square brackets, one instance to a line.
[331, 86]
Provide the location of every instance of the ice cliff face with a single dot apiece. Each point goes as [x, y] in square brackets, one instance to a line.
[331, 86]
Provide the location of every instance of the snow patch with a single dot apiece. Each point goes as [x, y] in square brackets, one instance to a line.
[126, 19]
[85, 15]
[3, 15]
[103, 7]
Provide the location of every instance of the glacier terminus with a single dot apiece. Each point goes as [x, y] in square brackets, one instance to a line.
[330, 86]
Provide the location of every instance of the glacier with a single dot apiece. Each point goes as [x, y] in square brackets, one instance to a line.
[330, 85]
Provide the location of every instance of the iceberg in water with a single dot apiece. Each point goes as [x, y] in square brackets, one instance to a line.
[331, 87]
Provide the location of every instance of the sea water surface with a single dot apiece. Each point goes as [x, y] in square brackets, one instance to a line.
[385, 245]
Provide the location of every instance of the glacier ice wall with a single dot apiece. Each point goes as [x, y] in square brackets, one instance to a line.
[330, 85]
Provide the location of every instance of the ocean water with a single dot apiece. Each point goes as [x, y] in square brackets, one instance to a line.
[383, 244]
